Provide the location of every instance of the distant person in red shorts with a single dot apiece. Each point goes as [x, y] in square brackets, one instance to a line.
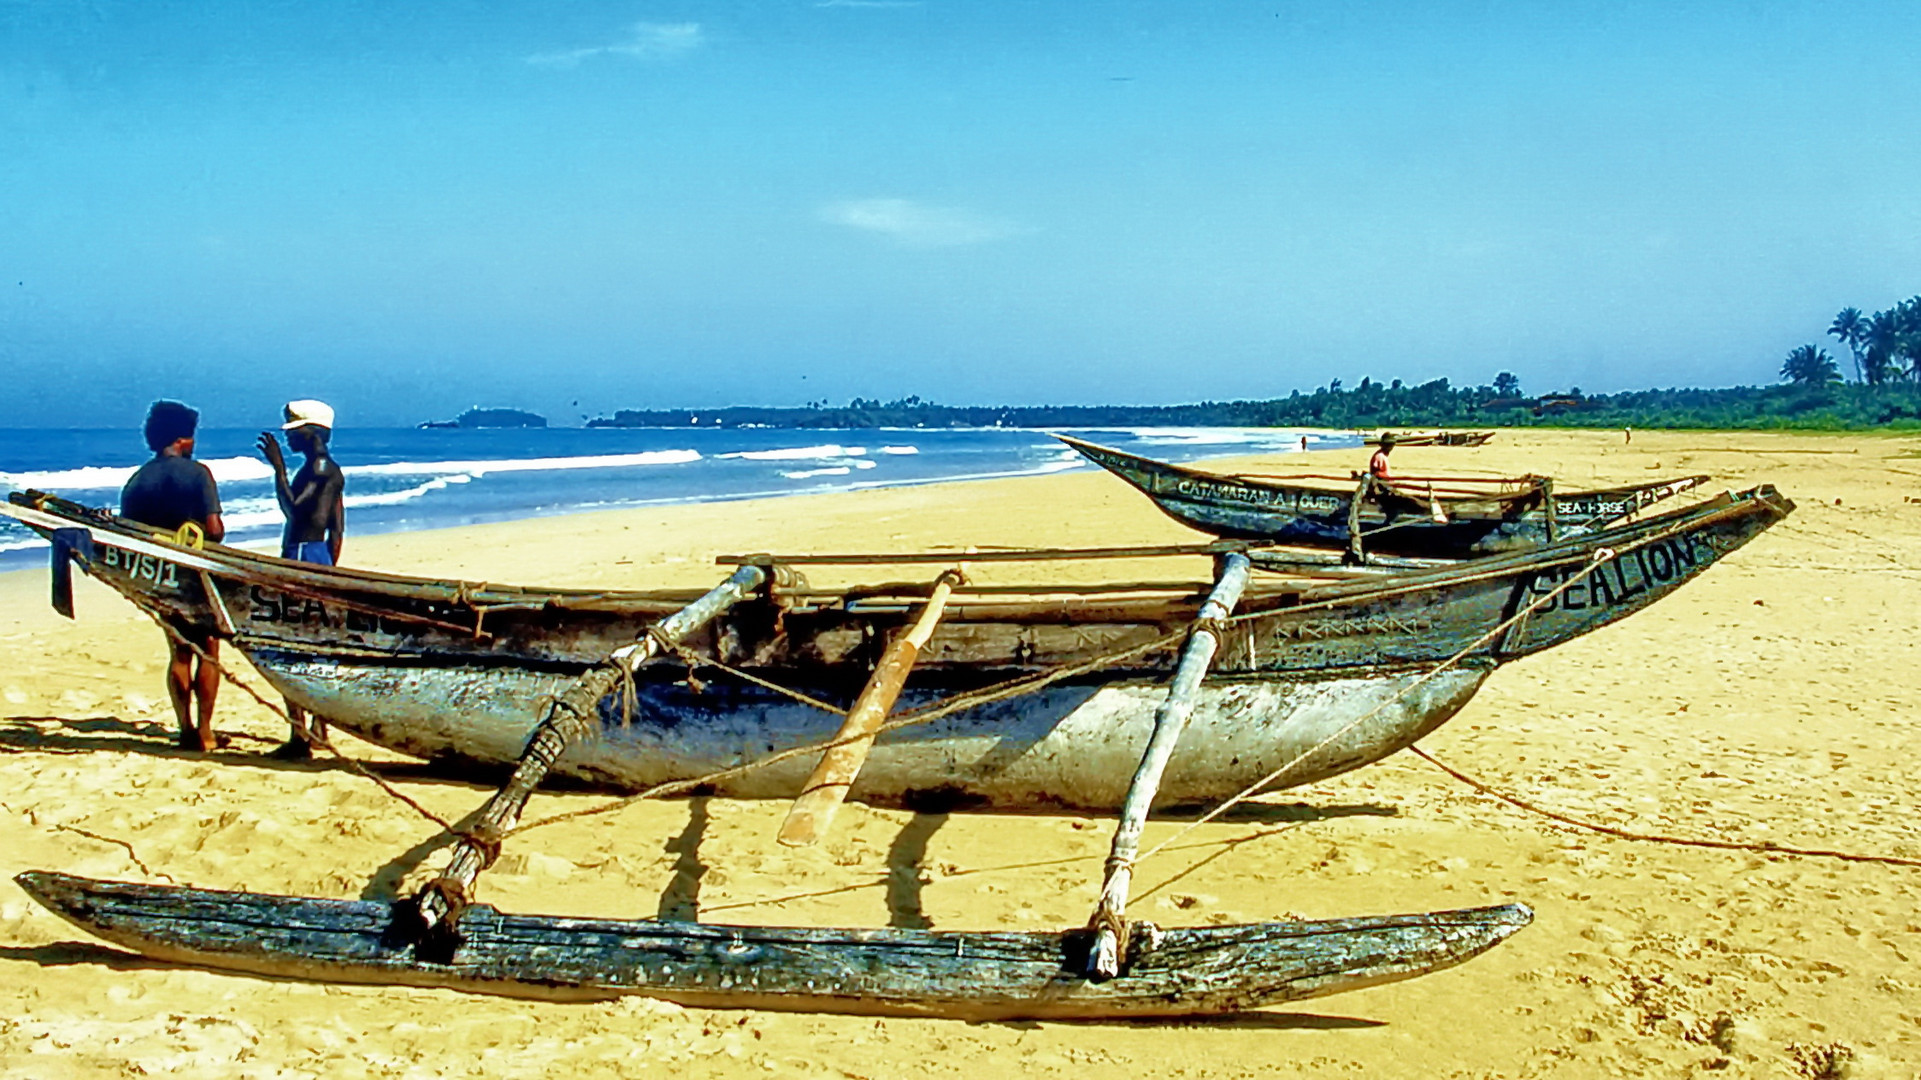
[167, 492]
[316, 523]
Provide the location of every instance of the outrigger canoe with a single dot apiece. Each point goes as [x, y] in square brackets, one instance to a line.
[1334, 635]
[1433, 438]
[1474, 516]
[457, 671]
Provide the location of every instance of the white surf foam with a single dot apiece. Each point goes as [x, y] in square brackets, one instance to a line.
[242, 469]
[799, 453]
[481, 468]
[102, 477]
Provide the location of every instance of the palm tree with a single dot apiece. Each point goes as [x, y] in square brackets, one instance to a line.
[1907, 318]
[1507, 385]
[1882, 344]
[1850, 327]
[1810, 365]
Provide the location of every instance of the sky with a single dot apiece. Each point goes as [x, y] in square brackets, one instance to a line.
[573, 207]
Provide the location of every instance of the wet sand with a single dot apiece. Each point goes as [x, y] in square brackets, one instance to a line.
[1770, 701]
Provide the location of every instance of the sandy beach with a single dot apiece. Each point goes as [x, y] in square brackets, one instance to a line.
[1770, 701]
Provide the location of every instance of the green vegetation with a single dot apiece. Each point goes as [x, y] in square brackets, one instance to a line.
[1813, 406]
[1886, 393]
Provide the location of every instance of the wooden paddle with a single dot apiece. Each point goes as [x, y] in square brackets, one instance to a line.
[807, 822]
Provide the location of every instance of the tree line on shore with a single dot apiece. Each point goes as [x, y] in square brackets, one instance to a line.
[1886, 392]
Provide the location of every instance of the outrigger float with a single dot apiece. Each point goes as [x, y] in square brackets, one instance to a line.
[1126, 696]
[1445, 517]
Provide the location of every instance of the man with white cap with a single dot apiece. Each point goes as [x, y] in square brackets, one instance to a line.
[316, 520]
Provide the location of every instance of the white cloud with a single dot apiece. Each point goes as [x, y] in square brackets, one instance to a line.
[911, 223]
[645, 41]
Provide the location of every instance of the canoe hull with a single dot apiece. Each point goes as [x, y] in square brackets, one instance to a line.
[975, 976]
[1318, 516]
[1069, 746]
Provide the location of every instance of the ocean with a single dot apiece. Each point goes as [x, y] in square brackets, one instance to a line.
[411, 478]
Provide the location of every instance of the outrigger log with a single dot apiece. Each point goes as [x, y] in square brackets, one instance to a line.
[975, 976]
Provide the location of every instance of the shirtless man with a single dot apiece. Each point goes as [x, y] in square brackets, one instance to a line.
[1377, 465]
[170, 491]
[316, 523]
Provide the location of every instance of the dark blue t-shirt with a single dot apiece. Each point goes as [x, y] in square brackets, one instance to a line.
[169, 491]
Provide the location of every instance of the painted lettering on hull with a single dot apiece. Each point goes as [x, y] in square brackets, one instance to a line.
[1618, 581]
[1217, 491]
[284, 609]
[1322, 629]
[148, 568]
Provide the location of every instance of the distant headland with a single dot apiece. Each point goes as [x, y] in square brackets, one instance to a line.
[490, 418]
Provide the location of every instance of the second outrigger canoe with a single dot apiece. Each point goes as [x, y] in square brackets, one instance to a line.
[1474, 517]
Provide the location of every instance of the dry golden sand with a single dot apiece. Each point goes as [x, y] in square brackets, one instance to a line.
[1771, 700]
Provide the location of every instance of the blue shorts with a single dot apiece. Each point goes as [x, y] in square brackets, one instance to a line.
[313, 551]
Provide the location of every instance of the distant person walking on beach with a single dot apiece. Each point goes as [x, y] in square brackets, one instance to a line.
[314, 504]
[169, 492]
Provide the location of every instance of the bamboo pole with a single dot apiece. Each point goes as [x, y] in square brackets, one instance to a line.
[1218, 547]
[813, 811]
[1109, 920]
[573, 716]
[1355, 555]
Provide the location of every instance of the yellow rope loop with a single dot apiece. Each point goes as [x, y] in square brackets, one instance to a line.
[190, 534]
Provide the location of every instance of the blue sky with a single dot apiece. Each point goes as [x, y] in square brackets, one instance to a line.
[411, 208]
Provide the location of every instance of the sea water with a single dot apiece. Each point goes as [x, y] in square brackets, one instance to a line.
[412, 478]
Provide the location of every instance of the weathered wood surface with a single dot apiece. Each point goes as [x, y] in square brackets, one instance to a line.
[814, 808]
[1276, 511]
[1170, 720]
[1186, 972]
[573, 715]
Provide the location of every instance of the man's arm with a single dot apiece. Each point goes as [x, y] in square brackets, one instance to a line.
[270, 449]
[337, 517]
[214, 528]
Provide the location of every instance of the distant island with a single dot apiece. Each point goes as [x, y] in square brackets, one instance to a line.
[490, 418]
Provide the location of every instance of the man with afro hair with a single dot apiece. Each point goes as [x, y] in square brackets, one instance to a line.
[167, 492]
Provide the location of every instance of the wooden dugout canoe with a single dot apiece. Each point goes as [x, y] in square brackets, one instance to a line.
[1433, 438]
[1481, 518]
[976, 976]
[1327, 673]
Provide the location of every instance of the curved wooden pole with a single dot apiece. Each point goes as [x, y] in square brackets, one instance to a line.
[813, 811]
[1110, 915]
[573, 716]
